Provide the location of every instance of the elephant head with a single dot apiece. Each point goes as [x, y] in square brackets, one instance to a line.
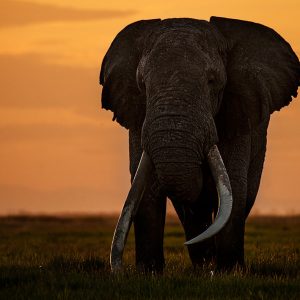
[187, 84]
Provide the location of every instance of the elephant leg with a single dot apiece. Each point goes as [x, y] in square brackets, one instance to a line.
[230, 241]
[150, 218]
[149, 225]
[258, 152]
[254, 176]
[196, 218]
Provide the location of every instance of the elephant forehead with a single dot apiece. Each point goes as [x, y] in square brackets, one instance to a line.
[184, 49]
[184, 40]
[188, 33]
[178, 60]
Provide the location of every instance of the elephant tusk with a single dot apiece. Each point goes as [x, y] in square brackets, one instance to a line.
[128, 212]
[224, 194]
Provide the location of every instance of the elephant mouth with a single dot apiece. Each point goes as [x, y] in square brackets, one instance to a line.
[137, 190]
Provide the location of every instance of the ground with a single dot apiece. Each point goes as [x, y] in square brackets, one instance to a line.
[68, 258]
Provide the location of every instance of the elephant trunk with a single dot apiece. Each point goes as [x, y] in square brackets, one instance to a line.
[177, 144]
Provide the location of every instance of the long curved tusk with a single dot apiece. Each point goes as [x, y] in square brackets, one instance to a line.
[224, 194]
[130, 207]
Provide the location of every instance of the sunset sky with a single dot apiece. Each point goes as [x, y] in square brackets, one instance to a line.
[59, 151]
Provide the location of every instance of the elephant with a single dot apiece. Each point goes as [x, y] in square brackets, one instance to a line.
[196, 97]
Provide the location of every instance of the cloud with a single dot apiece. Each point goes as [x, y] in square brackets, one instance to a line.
[29, 82]
[15, 116]
[18, 13]
[76, 133]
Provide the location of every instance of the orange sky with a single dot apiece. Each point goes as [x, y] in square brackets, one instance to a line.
[59, 151]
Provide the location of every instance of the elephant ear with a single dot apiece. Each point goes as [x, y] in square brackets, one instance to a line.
[263, 73]
[120, 92]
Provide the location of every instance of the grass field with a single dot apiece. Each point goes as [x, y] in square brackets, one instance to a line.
[68, 258]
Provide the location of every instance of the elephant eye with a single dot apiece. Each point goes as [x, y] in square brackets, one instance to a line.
[211, 80]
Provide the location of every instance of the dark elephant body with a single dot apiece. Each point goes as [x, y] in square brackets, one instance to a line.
[180, 86]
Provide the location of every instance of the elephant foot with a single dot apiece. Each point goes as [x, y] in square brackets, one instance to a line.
[230, 264]
[202, 254]
[230, 245]
[230, 254]
[155, 266]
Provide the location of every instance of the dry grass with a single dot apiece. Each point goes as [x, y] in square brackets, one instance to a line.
[67, 258]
